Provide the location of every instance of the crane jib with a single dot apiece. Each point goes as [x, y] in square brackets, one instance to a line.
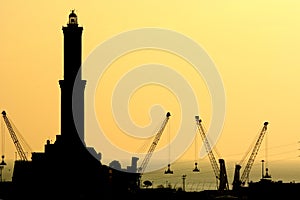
[14, 137]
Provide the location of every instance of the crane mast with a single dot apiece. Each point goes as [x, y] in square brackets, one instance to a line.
[14, 138]
[145, 162]
[221, 175]
[246, 172]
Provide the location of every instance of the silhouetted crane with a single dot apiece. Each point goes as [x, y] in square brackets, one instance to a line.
[237, 181]
[14, 137]
[146, 160]
[220, 173]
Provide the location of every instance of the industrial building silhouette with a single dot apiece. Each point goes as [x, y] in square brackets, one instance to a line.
[66, 168]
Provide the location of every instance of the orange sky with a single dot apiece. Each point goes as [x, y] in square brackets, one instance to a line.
[254, 46]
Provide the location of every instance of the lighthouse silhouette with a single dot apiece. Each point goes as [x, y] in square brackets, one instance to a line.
[67, 169]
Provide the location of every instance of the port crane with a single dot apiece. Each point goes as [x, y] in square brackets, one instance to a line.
[237, 181]
[14, 137]
[146, 160]
[220, 173]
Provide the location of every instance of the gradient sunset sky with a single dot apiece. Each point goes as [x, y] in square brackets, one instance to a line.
[255, 46]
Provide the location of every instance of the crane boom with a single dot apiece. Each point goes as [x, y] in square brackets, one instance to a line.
[208, 148]
[246, 172]
[145, 162]
[220, 175]
[14, 138]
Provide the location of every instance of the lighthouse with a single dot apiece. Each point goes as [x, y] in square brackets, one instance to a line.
[67, 169]
[72, 86]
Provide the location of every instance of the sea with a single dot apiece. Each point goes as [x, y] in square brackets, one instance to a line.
[184, 177]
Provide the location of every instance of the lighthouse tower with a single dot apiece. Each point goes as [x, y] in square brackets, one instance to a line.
[72, 86]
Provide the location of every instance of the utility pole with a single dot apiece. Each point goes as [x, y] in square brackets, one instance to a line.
[2, 164]
[262, 168]
[183, 182]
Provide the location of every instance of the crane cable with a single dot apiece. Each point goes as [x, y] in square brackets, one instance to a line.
[21, 139]
[2, 138]
[208, 139]
[196, 145]
[266, 155]
[251, 146]
[169, 145]
[143, 148]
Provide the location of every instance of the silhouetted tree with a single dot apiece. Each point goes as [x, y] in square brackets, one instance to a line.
[147, 183]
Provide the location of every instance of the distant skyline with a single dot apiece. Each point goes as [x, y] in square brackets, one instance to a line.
[254, 45]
